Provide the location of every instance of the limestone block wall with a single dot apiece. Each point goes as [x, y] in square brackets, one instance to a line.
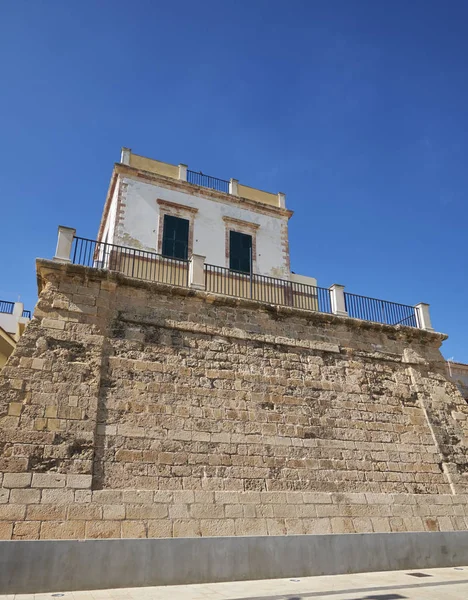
[134, 409]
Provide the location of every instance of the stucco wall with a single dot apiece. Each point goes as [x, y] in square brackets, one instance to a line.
[246, 191]
[154, 166]
[108, 234]
[9, 323]
[139, 226]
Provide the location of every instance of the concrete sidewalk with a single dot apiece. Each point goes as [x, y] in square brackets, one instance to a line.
[436, 584]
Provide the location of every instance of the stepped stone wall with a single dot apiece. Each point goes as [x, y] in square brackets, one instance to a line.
[133, 409]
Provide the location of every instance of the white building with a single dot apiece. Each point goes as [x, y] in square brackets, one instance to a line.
[170, 210]
[13, 320]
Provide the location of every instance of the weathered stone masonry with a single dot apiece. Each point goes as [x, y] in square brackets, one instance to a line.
[137, 409]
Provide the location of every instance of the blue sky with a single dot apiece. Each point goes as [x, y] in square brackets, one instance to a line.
[356, 109]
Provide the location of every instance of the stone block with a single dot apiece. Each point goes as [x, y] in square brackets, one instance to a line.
[445, 524]
[17, 480]
[76, 481]
[46, 512]
[25, 496]
[53, 324]
[26, 530]
[342, 525]
[363, 525]
[207, 511]
[48, 480]
[381, 524]
[137, 497]
[15, 408]
[430, 525]
[62, 530]
[217, 527]
[6, 530]
[204, 497]
[233, 511]
[12, 512]
[316, 498]
[140, 512]
[249, 510]
[102, 529]
[161, 528]
[107, 496]
[317, 526]
[113, 512]
[413, 524]
[84, 512]
[179, 511]
[134, 529]
[57, 496]
[250, 527]
[397, 524]
[83, 496]
[186, 528]
[294, 526]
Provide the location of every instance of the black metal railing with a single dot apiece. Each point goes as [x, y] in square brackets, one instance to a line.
[151, 266]
[214, 183]
[140, 264]
[380, 311]
[221, 280]
[27, 314]
[6, 307]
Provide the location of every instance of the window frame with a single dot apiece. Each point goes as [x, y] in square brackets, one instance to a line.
[247, 228]
[175, 210]
[241, 235]
[175, 241]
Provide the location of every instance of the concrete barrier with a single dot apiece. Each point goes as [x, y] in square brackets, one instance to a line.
[67, 565]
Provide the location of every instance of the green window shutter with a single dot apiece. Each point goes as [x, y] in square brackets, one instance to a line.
[240, 251]
[175, 237]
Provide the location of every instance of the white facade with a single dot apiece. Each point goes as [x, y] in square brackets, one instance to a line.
[136, 206]
[141, 225]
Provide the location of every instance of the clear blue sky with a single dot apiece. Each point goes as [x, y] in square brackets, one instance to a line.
[358, 110]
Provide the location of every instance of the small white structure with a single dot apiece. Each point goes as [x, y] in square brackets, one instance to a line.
[13, 321]
[170, 210]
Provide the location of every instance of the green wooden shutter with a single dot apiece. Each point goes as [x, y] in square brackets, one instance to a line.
[175, 237]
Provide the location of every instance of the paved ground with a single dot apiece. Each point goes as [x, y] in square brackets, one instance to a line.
[439, 584]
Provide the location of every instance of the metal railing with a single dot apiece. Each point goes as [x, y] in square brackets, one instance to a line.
[221, 280]
[140, 264]
[6, 307]
[380, 311]
[214, 183]
[27, 314]
[150, 266]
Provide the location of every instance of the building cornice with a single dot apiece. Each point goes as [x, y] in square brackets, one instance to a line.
[176, 206]
[240, 223]
[188, 188]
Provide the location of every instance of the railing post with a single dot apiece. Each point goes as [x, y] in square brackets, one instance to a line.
[423, 316]
[281, 200]
[233, 183]
[183, 172]
[18, 309]
[64, 244]
[125, 156]
[337, 299]
[197, 272]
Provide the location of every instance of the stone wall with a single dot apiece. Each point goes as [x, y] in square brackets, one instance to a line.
[134, 409]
